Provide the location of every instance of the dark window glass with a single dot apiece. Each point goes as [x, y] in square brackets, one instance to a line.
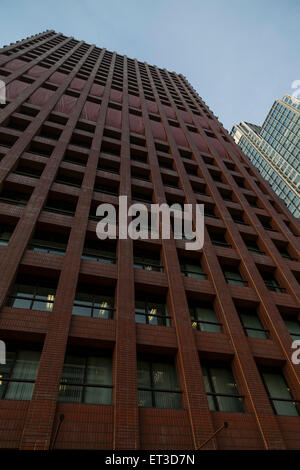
[192, 269]
[293, 326]
[14, 197]
[251, 323]
[5, 234]
[204, 318]
[234, 277]
[279, 393]
[157, 384]
[49, 242]
[221, 389]
[93, 305]
[86, 379]
[99, 251]
[151, 312]
[148, 262]
[271, 282]
[18, 375]
[32, 293]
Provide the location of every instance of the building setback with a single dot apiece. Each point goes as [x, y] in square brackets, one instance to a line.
[274, 149]
[136, 344]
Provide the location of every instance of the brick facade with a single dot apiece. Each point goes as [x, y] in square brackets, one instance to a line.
[90, 96]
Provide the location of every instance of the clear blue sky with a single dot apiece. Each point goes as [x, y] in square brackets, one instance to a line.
[240, 55]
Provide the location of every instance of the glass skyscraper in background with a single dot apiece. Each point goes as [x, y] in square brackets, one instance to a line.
[274, 149]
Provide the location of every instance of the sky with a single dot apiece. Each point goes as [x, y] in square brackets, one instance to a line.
[240, 55]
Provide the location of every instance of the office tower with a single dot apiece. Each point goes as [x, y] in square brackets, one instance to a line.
[136, 344]
[274, 149]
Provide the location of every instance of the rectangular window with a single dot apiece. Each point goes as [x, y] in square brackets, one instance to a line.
[253, 247]
[86, 379]
[151, 312]
[29, 168]
[157, 384]
[221, 389]
[218, 239]
[190, 268]
[13, 196]
[271, 283]
[49, 242]
[18, 375]
[60, 206]
[251, 323]
[32, 293]
[89, 302]
[204, 318]
[279, 393]
[5, 234]
[150, 262]
[106, 187]
[293, 326]
[98, 250]
[233, 277]
[70, 178]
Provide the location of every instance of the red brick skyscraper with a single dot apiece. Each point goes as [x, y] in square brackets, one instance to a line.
[139, 344]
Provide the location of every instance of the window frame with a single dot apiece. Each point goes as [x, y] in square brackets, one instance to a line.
[272, 399]
[15, 349]
[151, 389]
[193, 307]
[32, 299]
[84, 384]
[91, 306]
[207, 365]
[147, 301]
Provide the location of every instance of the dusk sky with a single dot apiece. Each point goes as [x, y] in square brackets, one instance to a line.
[239, 55]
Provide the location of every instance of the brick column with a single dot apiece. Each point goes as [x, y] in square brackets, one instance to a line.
[41, 412]
[126, 418]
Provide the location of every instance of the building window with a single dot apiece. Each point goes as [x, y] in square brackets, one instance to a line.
[88, 302]
[151, 312]
[232, 276]
[150, 262]
[106, 187]
[192, 268]
[204, 318]
[218, 239]
[209, 211]
[68, 177]
[271, 283]
[293, 326]
[49, 242]
[13, 196]
[253, 247]
[86, 379]
[157, 384]
[142, 195]
[32, 293]
[60, 206]
[251, 323]
[96, 250]
[283, 250]
[18, 375]
[5, 234]
[221, 389]
[279, 393]
[239, 220]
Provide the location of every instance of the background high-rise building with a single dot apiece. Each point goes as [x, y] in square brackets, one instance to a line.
[274, 149]
[137, 344]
